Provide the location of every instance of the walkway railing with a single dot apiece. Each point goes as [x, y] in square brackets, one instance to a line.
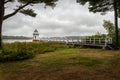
[90, 41]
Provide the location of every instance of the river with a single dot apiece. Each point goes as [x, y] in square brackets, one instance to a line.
[16, 40]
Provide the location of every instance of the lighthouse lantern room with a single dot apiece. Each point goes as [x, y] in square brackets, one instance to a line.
[36, 35]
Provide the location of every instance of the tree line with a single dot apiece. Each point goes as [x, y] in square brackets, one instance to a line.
[15, 37]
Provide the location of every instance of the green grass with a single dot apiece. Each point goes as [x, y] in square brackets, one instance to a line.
[86, 61]
[65, 64]
[65, 57]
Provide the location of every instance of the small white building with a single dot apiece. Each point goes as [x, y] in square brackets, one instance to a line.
[36, 35]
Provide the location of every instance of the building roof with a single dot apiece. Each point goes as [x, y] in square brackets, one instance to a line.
[36, 32]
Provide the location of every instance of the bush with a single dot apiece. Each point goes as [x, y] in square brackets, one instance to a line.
[20, 51]
[8, 54]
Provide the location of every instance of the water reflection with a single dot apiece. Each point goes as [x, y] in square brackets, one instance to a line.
[15, 40]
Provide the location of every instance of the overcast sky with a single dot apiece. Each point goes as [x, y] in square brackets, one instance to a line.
[68, 18]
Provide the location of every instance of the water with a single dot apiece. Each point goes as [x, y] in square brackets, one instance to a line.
[16, 40]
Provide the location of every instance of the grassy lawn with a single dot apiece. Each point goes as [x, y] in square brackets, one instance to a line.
[65, 64]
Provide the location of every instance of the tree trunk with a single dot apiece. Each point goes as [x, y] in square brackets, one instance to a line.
[116, 24]
[1, 20]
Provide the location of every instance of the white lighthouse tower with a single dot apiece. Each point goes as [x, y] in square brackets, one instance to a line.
[36, 35]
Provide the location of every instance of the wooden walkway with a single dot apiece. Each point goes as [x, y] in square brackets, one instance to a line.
[92, 42]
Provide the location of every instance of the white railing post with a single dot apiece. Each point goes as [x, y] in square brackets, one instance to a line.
[67, 40]
[85, 41]
[105, 42]
[99, 40]
[94, 40]
[90, 40]
[77, 41]
[72, 41]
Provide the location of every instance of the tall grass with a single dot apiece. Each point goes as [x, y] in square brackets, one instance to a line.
[25, 50]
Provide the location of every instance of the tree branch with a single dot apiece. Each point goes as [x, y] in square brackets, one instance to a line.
[6, 1]
[16, 11]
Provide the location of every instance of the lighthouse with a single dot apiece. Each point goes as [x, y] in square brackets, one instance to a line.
[35, 35]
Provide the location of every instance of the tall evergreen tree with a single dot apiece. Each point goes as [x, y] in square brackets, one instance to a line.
[104, 6]
[20, 8]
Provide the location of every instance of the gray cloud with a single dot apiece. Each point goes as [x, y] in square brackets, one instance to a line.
[68, 18]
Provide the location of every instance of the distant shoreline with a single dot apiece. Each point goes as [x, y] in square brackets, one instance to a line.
[16, 40]
[16, 37]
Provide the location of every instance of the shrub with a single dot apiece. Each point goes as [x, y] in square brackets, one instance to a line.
[20, 51]
[8, 54]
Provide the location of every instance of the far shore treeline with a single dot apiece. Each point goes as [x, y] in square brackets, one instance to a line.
[15, 37]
